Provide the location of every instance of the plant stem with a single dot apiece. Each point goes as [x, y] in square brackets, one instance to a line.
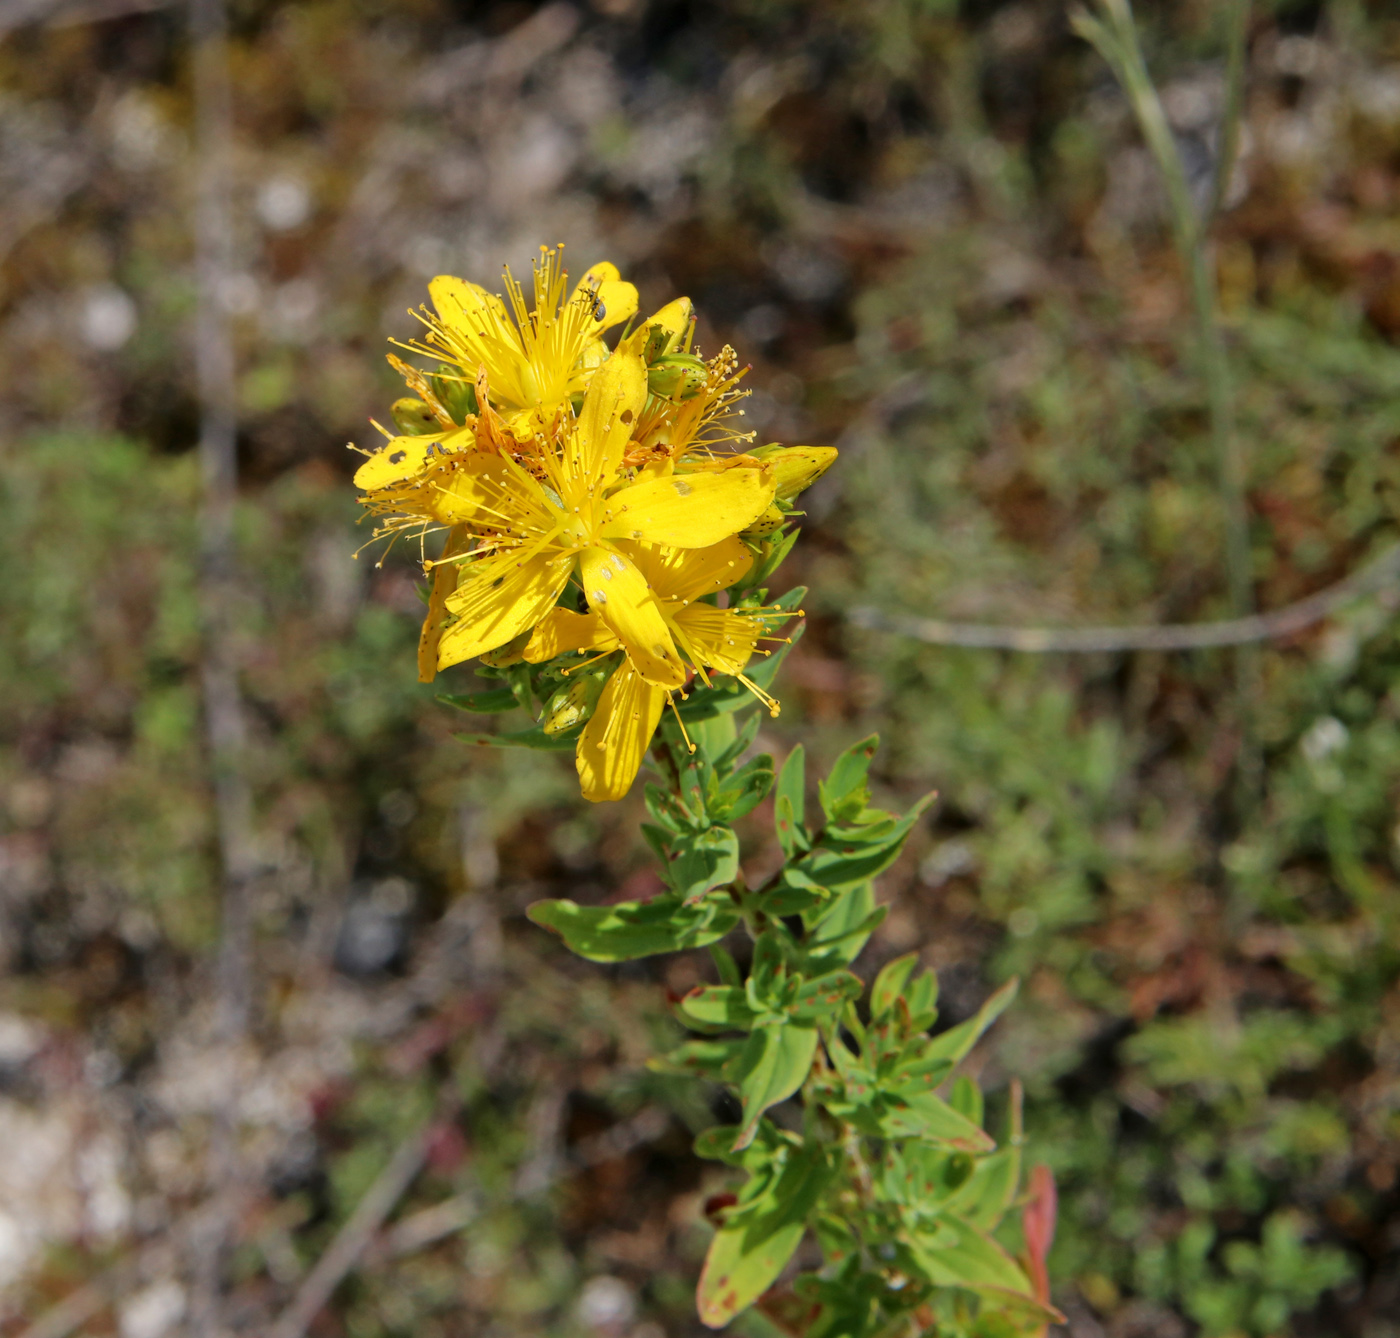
[1215, 371]
[1118, 42]
[1236, 33]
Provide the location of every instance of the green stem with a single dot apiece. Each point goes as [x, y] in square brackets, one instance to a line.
[1117, 40]
[1236, 35]
[1220, 402]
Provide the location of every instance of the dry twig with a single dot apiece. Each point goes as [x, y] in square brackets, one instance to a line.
[1381, 574]
[355, 1236]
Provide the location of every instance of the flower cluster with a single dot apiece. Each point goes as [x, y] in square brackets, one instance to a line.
[603, 513]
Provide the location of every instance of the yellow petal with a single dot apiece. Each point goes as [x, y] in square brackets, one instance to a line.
[444, 583]
[613, 303]
[615, 740]
[497, 599]
[401, 459]
[673, 320]
[564, 630]
[614, 400]
[467, 306]
[674, 317]
[595, 354]
[719, 638]
[603, 272]
[688, 510]
[493, 493]
[618, 593]
[687, 573]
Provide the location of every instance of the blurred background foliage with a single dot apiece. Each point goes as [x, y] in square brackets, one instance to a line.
[932, 229]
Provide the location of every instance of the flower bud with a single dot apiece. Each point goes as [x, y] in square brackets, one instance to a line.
[574, 702]
[456, 395]
[771, 520]
[676, 377]
[513, 652]
[413, 418]
[668, 331]
[795, 468]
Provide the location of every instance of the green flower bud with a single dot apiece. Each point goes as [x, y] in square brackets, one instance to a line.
[455, 395]
[511, 653]
[413, 418]
[677, 377]
[669, 331]
[574, 702]
[957, 1169]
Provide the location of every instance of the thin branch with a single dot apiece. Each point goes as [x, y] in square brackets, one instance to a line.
[1259, 627]
[67, 13]
[79, 1306]
[355, 1236]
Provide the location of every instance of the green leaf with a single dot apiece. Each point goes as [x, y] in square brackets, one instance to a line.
[716, 1008]
[742, 792]
[920, 1074]
[774, 1064]
[728, 968]
[693, 1059]
[498, 699]
[701, 861]
[889, 984]
[841, 930]
[793, 895]
[667, 809]
[742, 742]
[826, 995]
[717, 1144]
[659, 839]
[633, 929]
[790, 803]
[746, 1255]
[840, 862]
[771, 556]
[923, 1115]
[957, 1041]
[845, 793]
[958, 1255]
[850, 1068]
[921, 998]
[991, 1189]
[519, 678]
[966, 1098]
[526, 738]
[770, 960]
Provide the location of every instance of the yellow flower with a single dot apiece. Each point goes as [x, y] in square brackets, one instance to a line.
[535, 358]
[616, 738]
[541, 518]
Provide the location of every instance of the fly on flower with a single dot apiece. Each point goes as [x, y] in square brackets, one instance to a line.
[591, 500]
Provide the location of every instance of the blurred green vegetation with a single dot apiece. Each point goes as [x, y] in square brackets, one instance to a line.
[931, 229]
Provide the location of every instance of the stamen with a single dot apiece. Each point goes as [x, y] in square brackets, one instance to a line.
[671, 702]
[774, 708]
